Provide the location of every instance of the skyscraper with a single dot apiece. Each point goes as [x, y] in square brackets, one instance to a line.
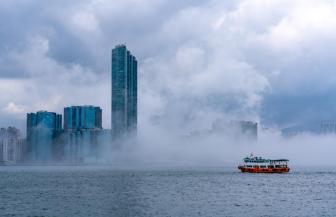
[82, 128]
[124, 91]
[42, 129]
[82, 117]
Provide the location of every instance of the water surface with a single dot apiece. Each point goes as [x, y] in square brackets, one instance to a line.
[107, 191]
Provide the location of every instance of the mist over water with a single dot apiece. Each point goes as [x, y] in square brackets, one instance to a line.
[200, 63]
[234, 65]
[220, 149]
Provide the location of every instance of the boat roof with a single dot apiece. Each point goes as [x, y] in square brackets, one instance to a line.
[261, 160]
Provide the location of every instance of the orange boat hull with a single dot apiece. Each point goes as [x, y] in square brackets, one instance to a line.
[263, 170]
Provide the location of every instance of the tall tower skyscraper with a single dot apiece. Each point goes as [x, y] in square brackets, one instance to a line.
[124, 91]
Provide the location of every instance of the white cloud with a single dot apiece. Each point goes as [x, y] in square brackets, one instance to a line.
[305, 23]
[85, 21]
[50, 85]
[12, 108]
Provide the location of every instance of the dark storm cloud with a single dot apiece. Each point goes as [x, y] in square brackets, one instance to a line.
[132, 22]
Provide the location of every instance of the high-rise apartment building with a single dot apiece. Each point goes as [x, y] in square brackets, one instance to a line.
[11, 146]
[82, 128]
[82, 117]
[124, 91]
[42, 129]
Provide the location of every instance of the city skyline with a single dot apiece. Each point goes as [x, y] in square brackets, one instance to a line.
[123, 99]
[81, 135]
[51, 55]
[167, 108]
[269, 69]
[78, 139]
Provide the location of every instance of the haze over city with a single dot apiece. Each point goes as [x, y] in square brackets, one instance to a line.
[150, 108]
[268, 61]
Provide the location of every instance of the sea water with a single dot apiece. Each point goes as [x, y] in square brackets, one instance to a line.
[131, 192]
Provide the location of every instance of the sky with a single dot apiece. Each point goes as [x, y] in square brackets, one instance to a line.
[199, 60]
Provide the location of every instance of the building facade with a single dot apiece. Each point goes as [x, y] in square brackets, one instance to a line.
[82, 128]
[82, 117]
[43, 129]
[11, 146]
[124, 91]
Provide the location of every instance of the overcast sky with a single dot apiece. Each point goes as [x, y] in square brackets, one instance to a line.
[199, 60]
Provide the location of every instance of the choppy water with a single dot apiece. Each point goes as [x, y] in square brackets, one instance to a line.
[103, 191]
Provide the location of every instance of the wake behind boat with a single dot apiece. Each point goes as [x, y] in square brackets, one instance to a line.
[253, 164]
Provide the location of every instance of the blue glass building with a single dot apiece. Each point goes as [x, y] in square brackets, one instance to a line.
[42, 130]
[82, 127]
[124, 91]
[82, 117]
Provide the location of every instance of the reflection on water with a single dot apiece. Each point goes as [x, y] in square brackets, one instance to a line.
[103, 191]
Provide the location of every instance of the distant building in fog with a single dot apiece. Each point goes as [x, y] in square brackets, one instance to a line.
[237, 129]
[124, 91]
[43, 128]
[11, 146]
[248, 128]
[82, 127]
[310, 127]
[240, 130]
[328, 127]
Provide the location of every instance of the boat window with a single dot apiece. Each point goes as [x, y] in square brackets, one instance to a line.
[249, 166]
[270, 166]
[262, 166]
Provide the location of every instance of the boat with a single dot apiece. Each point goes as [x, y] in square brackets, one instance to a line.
[254, 164]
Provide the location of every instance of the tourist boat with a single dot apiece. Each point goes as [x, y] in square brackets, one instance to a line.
[260, 165]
